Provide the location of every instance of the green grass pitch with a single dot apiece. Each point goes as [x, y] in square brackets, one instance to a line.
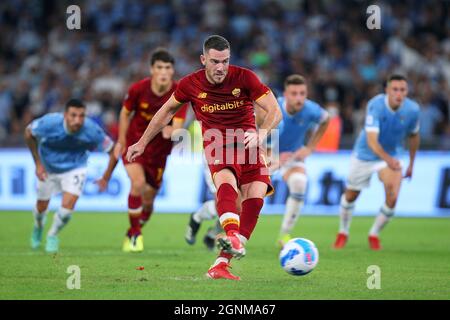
[415, 261]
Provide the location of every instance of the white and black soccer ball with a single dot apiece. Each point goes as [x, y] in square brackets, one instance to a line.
[299, 256]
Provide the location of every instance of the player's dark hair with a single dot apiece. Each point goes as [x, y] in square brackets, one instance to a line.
[294, 79]
[395, 76]
[161, 54]
[74, 103]
[215, 42]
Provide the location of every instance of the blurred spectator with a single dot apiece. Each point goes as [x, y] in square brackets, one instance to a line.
[332, 137]
[445, 141]
[42, 63]
[430, 117]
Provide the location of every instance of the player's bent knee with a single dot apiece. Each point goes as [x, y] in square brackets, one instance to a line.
[41, 206]
[351, 195]
[389, 187]
[69, 201]
[138, 186]
[69, 205]
[255, 189]
[297, 183]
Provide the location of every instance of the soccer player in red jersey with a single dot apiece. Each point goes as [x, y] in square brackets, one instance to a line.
[223, 98]
[143, 100]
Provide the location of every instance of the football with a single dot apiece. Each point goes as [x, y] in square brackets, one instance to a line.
[299, 256]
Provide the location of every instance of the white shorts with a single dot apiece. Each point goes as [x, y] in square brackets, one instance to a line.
[361, 171]
[71, 181]
[289, 165]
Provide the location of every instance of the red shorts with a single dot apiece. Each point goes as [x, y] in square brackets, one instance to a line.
[154, 170]
[247, 167]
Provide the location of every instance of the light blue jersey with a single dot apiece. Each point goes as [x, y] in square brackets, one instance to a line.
[61, 151]
[293, 128]
[392, 126]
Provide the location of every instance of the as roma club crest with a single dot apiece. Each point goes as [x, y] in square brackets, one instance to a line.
[236, 92]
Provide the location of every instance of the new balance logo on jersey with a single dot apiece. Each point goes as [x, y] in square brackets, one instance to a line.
[202, 95]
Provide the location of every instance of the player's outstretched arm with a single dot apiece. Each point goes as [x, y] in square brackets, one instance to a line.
[271, 116]
[177, 123]
[260, 114]
[112, 163]
[158, 122]
[313, 141]
[372, 141]
[31, 142]
[414, 143]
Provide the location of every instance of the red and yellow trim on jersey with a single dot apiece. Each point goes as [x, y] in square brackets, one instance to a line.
[176, 100]
[264, 94]
[124, 106]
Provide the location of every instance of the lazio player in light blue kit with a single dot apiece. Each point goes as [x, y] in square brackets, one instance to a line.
[60, 145]
[390, 119]
[300, 116]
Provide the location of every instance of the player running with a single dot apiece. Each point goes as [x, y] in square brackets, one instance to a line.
[390, 118]
[143, 100]
[60, 146]
[300, 116]
[222, 97]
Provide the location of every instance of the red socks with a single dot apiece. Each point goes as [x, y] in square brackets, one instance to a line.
[249, 216]
[145, 216]
[226, 207]
[134, 214]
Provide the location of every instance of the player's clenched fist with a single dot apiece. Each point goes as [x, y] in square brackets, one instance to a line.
[394, 164]
[118, 150]
[135, 151]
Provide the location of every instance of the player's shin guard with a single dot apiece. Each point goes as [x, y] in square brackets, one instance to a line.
[249, 216]
[60, 219]
[226, 207]
[381, 220]
[297, 187]
[39, 218]
[345, 215]
[134, 214]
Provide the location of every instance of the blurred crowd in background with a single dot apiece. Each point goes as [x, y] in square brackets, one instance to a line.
[43, 64]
